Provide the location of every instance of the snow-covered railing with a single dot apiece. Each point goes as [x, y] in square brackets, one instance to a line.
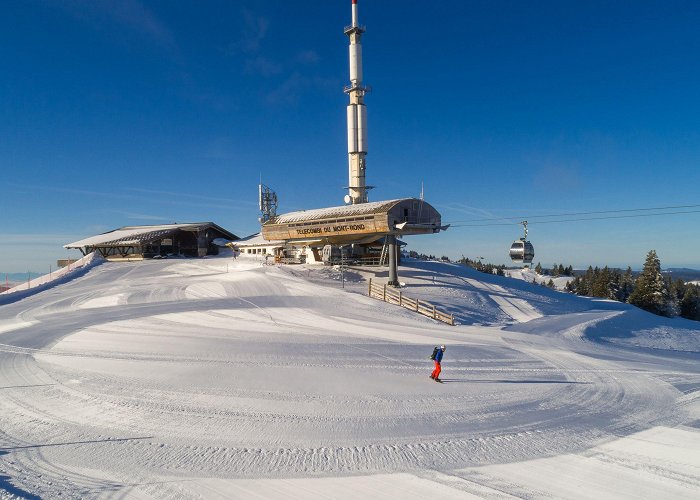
[392, 296]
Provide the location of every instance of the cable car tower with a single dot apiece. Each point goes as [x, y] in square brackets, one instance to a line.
[522, 251]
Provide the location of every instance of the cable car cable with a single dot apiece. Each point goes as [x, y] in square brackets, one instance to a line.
[576, 220]
[578, 213]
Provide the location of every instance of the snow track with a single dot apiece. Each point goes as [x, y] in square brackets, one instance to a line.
[162, 379]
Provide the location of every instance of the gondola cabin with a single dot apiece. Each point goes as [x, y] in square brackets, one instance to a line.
[522, 252]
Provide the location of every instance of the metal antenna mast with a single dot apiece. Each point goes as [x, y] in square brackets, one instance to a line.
[267, 201]
[357, 116]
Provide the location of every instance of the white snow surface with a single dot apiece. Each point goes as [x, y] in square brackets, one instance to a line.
[215, 378]
[58, 276]
[529, 275]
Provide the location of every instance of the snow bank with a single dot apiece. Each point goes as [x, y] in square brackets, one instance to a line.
[638, 328]
[60, 276]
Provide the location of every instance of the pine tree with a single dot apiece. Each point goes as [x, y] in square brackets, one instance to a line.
[690, 304]
[650, 291]
[615, 280]
[673, 308]
[678, 288]
[585, 282]
[538, 268]
[600, 286]
[626, 286]
[555, 271]
[550, 283]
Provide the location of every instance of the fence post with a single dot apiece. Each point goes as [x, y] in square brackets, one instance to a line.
[417, 301]
[369, 292]
[384, 293]
[452, 319]
[400, 299]
[434, 312]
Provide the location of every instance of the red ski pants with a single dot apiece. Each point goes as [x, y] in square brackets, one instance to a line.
[437, 370]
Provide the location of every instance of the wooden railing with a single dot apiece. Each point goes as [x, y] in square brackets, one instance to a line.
[393, 296]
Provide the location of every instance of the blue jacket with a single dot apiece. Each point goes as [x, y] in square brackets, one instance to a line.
[438, 356]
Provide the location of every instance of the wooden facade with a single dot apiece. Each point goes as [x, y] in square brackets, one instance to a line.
[362, 223]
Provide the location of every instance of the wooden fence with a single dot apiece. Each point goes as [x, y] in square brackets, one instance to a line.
[393, 296]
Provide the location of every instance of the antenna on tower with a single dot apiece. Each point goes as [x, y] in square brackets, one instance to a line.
[267, 201]
[357, 116]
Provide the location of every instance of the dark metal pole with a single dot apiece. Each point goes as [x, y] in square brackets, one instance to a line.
[393, 271]
[342, 265]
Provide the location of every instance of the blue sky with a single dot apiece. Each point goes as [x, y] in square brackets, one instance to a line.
[136, 112]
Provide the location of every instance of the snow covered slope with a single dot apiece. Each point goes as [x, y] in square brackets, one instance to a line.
[529, 275]
[228, 379]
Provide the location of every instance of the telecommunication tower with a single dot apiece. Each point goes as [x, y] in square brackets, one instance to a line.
[357, 116]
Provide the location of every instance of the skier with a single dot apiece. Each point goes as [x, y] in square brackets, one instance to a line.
[438, 358]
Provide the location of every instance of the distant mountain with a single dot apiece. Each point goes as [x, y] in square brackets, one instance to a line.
[684, 273]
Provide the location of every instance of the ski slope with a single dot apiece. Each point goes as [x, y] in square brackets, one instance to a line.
[218, 378]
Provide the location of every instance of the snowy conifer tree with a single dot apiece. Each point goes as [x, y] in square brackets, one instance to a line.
[690, 305]
[650, 291]
[626, 286]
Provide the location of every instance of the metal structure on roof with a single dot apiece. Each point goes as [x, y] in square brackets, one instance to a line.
[193, 239]
[267, 202]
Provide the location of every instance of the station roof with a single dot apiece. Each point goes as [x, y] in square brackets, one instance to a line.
[373, 207]
[257, 240]
[134, 235]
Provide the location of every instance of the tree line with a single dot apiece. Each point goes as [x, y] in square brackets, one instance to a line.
[556, 270]
[481, 267]
[650, 290]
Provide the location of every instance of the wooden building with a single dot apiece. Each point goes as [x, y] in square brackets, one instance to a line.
[143, 242]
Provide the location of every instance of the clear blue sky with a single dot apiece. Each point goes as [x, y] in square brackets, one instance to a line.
[138, 112]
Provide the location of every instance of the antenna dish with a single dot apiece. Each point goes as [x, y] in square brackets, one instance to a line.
[347, 199]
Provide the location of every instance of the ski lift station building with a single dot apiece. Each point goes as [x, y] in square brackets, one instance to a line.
[362, 225]
[194, 239]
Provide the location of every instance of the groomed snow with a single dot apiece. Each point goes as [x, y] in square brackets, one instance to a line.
[218, 378]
